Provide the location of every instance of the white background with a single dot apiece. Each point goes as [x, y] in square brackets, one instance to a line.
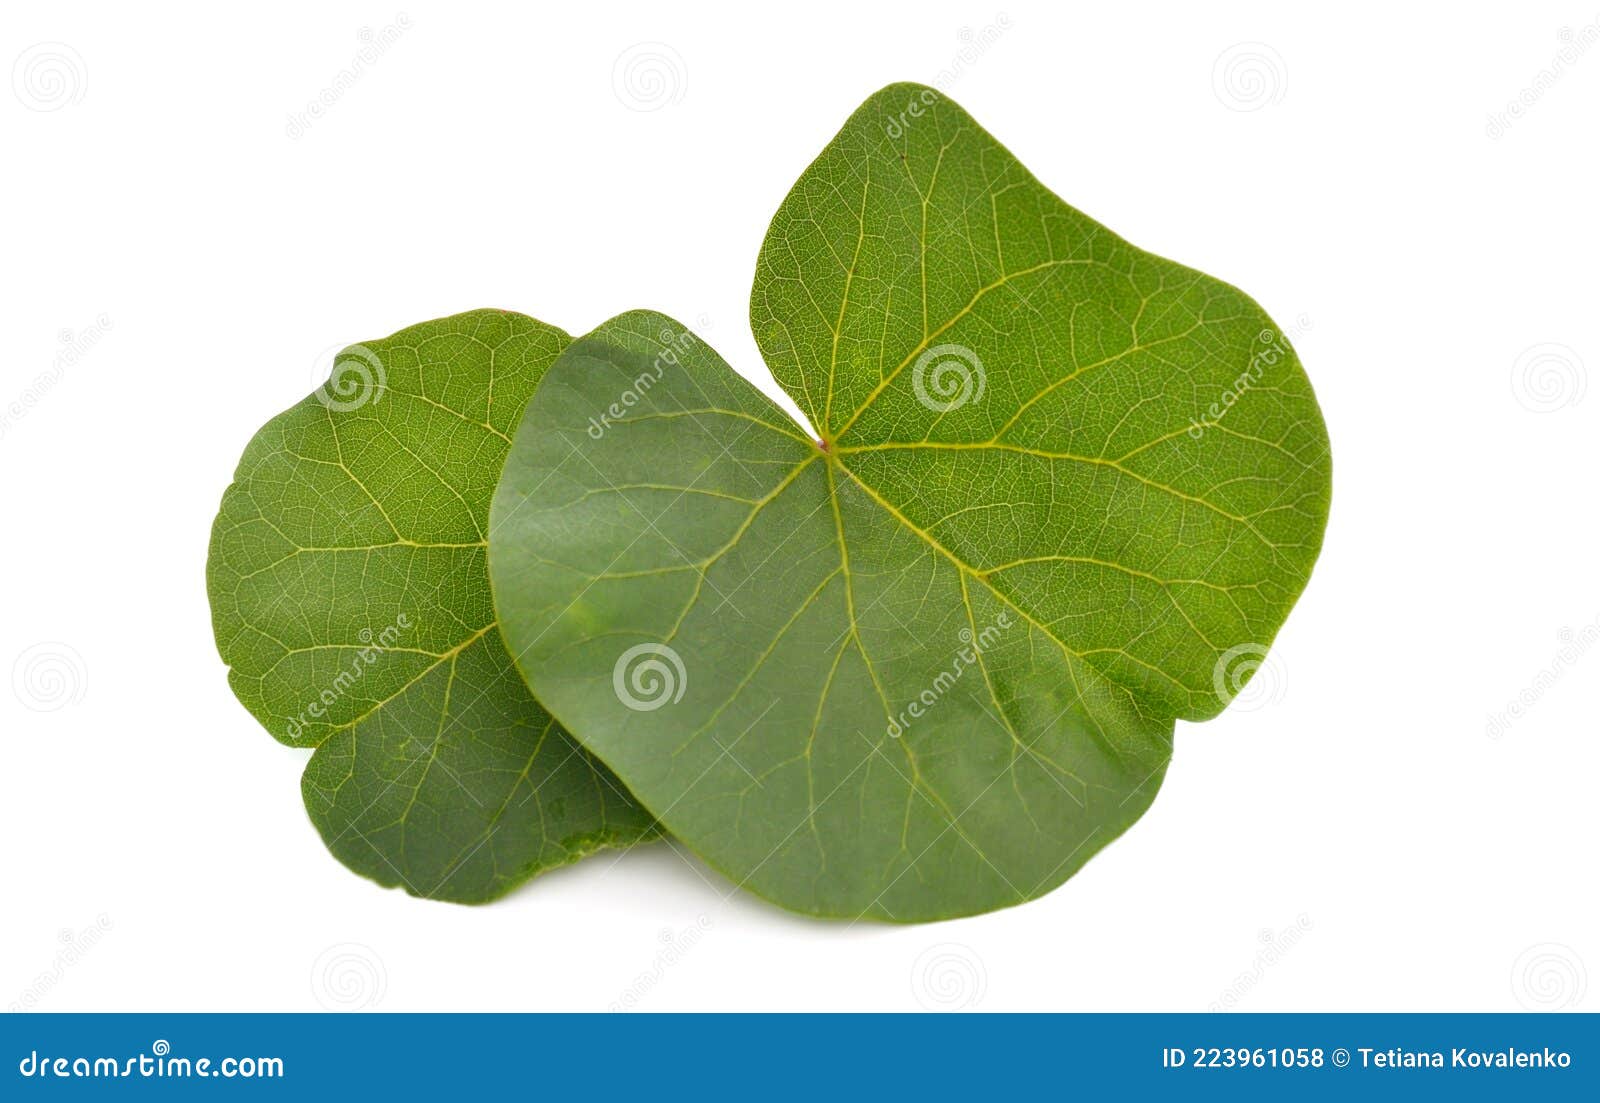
[1348, 836]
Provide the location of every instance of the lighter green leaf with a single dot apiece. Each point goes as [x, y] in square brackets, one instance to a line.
[930, 665]
[350, 600]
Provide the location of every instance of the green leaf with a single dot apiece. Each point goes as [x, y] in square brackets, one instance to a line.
[930, 666]
[350, 600]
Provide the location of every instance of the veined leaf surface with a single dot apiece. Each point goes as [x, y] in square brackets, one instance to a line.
[929, 664]
[350, 600]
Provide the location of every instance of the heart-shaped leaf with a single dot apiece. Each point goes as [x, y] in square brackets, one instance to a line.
[350, 600]
[930, 664]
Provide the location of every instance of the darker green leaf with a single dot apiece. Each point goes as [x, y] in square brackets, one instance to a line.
[931, 664]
